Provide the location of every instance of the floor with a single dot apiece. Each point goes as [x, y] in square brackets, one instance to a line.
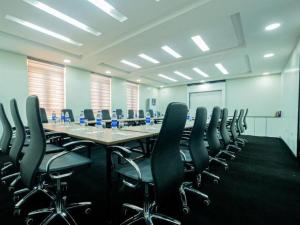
[261, 187]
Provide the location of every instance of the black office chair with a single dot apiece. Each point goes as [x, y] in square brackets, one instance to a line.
[245, 120]
[89, 114]
[151, 113]
[35, 166]
[164, 170]
[106, 114]
[6, 137]
[196, 155]
[233, 130]
[44, 116]
[130, 113]
[71, 115]
[215, 148]
[240, 126]
[119, 113]
[141, 113]
[228, 144]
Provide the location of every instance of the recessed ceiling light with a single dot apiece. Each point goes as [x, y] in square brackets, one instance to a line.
[130, 64]
[266, 73]
[182, 75]
[197, 70]
[67, 61]
[268, 55]
[138, 80]
[108, 72]
[202, 81]
[272, 26]
[62, 16]
[171, 51]
[221, 68]
[148, 58]
[200, 43]
[42, 30]
[109, 9]
[161, 86]
[166, 77]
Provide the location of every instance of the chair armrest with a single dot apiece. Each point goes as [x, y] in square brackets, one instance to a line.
[53, 158]
[183, 156]
[131, 163]
[76, 145]
[124, 151]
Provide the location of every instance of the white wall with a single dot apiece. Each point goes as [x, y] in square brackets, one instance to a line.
[171, 94]
[289, 100]
[14, 82]
[147, 92]
[260, 94]
[118, 94]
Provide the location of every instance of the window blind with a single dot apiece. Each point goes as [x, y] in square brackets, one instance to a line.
[47, 81]
[100, 92]
[132, 91]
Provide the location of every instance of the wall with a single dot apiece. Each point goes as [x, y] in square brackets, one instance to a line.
[260, 94]
[171, 94]
[289, 100]
[147, 92]
[14, 82]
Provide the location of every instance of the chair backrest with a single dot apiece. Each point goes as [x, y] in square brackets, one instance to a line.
[71, 115]
[212, 132]
[141, 113]
[119, 113]
[89, 114]
[44, 117]
[240, 122]
[233, 125]
[20, 134]
[244, 120]
[106, 114]
[197, 146]
[36, 149]
[151, 113]
[6, 131]
[130, 114]
[166, 164]
[223, 129]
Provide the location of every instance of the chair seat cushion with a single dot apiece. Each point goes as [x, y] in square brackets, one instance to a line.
[145, 168]
[66, 162]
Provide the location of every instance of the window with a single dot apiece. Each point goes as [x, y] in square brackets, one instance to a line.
[132, 92]
[47, 81]
[100, 92]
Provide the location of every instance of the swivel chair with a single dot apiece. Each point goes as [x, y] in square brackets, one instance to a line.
[119, 113]
[89, 114]
[71, 115]
[44, 116]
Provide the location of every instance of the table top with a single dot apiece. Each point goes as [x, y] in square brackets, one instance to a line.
[124, 120]
[98, 135]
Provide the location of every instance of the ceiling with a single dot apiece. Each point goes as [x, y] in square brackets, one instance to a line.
[234, 30]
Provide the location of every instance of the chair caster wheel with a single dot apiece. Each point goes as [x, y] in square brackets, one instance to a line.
[17, 212]
[206, 202]
[216, 181]
[29, 221]
[88, 211]
[186, 210]
[11, 189]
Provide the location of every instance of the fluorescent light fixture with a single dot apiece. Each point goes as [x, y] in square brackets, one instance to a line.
[42, 30]
[67, 61]
[130, 64]
[268, 55]
[166, 77]
[138, 80]
[62, 16]
[148, 58]
[272, 26]
[202, 81]
[221, 68]
[169, 50]
[197, 70]
[266, 73]
[109, 9]
[161, 86]
[200, 43]
[182, 75]
[108, 72]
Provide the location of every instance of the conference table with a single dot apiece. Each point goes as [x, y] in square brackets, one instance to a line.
[109, 137]
[126, 120]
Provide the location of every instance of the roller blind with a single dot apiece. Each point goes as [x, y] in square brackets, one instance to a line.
[100, 92]
[132, 96]
[47, 81]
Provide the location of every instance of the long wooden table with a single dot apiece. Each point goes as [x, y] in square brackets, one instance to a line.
[126, 120]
